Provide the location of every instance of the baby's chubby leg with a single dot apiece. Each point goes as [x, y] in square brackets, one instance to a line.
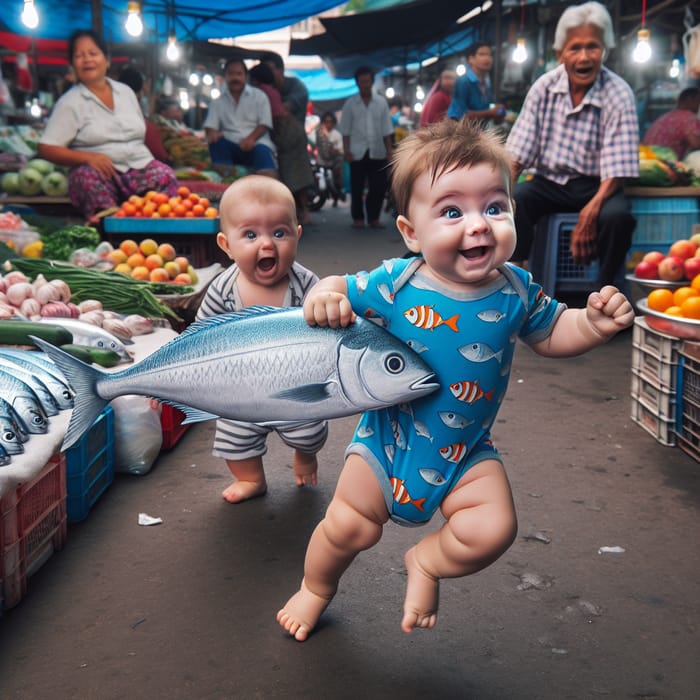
[353, 523]
[250, 480]
[305, 467]
[481, 525]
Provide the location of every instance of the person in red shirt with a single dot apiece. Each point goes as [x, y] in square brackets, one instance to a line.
[678, 129]
[439, 98]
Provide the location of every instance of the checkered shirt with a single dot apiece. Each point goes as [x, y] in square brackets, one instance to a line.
[598, 138]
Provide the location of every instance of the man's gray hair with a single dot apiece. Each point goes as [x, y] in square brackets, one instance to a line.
[576, 16]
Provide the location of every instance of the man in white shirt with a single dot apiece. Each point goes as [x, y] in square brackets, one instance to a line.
[367, 132]
[239, 122]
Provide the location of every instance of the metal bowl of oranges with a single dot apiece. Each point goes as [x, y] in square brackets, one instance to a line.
[673, 311]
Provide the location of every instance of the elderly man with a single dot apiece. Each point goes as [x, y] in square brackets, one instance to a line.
[578, 130]
[238, 124]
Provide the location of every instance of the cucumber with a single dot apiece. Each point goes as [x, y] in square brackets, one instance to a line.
[19, 332]
[80, 352]
[91, 355]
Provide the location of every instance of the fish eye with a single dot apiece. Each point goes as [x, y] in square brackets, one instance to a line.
[8, 436]
[37, 418]
[100, 343]
[394, 363]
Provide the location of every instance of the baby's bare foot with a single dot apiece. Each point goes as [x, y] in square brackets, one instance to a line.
[422, 594]
[244, 490]
[305, 466]
[300, 615]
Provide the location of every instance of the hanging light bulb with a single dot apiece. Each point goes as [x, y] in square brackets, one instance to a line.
[390, 92]
[29, 16]
[172, 53]
[207, 79]
[194, 79]
[520, 51]
[642, 51]
[134, 25]
[420, 93]
[461, 69]
[675, 70]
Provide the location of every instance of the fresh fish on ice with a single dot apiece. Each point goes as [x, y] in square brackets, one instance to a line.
[93, 336]
[36, 362]
[48, 402]
[261, 364]
[4, 457]
[25, 401]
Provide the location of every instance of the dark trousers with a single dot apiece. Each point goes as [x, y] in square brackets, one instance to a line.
[539, 197]
[372, 173]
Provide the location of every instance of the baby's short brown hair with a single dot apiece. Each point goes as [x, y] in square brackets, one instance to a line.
[439, 148]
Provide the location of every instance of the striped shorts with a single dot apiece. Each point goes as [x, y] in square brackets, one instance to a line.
[237, 440]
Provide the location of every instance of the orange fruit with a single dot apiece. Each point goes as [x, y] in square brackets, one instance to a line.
[194, 198]
[183, 191]
[164, 209]
[148, 246]
[140, 272]
[660, 299]
[153, 261]
[188, 204]
[129, 247]
[211, 212]
[198, 210]
[204, 202]
[148, 209]
[695, 284]
[135, 260]
[150, 195]
[159, 274]
[129, 208]
[160, 198]
[136, 201]
[674, 311]
[691, 307]
[683, 293]
[179, 210]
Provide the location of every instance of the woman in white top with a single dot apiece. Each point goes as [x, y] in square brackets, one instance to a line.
[97, 129]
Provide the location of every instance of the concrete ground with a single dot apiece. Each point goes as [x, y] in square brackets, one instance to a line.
[186, 609]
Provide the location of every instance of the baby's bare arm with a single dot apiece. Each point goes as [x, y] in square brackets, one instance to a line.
[327, 304]
[580, 330]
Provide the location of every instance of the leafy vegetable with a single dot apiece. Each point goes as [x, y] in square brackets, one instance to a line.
[60, 244]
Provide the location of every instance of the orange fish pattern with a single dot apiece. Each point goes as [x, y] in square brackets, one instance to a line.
[428, 319]
[420, 450]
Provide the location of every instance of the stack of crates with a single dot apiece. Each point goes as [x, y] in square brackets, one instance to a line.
[90, 466]
[33, 524]
[655, 368]
[688, 423]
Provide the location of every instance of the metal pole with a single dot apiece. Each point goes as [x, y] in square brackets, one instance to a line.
[497, 57]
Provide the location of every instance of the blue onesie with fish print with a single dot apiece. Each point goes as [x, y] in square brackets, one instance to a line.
[420, 450]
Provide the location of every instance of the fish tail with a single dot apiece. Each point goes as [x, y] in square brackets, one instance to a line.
[488, 395]
[451, 323]
[418, 503]
[82, 378]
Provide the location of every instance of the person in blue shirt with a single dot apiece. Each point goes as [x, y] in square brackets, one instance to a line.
[462, 306]
[473, 95]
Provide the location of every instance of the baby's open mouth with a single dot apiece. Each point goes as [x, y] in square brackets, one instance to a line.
[473, 253]
[266, 264]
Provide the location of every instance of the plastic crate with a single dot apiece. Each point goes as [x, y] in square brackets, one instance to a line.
[661, 427]
[660, 400]
[662, 220]
[655, 355]
[171, 424]
[688, 423]
[551, 262]
[33, 525]
[90, 466]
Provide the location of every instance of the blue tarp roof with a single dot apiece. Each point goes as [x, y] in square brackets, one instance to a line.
[190, 19]
[323, 87]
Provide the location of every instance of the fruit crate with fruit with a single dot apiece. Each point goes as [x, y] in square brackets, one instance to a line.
[90, 466]
[655, 362]
[688, 424]
[33, 525]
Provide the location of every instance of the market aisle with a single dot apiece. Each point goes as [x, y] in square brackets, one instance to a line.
[186, 609]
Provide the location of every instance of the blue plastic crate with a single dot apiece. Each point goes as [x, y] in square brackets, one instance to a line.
[662, 220]
[90, 466]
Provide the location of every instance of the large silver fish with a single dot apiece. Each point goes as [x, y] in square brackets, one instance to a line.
[93, 336]
[45, 370]
[262, 364]
[12, 432]
[25, 401]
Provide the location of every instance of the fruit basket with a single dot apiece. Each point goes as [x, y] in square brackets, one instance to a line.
[686, 328]
[648, 284]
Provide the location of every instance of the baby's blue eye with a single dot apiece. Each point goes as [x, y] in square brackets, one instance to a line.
[451, 213]
[279, 233]
[494, 210]
[250, 235]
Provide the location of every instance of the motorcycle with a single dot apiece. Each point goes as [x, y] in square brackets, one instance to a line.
[324, 187]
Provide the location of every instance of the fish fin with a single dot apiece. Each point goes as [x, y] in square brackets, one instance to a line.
[451, 323]
[308, 393]
[125, 341]
[192, 415]
[488, 395]
[82, 378]
[248, 311]
[419, 504]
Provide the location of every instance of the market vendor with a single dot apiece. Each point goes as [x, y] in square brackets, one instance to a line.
[578, 130]
[97, 129]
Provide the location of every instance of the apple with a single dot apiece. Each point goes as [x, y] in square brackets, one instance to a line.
[671, 269]
[691, 267]
[682, 249]
[646, 270]
[654, 256]
[695, 238]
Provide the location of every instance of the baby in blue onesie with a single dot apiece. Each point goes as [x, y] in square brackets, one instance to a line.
[462, 306]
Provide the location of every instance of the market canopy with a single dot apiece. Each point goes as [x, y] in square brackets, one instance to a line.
[406, 33]
[189, 19]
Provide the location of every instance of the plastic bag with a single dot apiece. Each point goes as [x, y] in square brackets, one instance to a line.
[138, 435]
